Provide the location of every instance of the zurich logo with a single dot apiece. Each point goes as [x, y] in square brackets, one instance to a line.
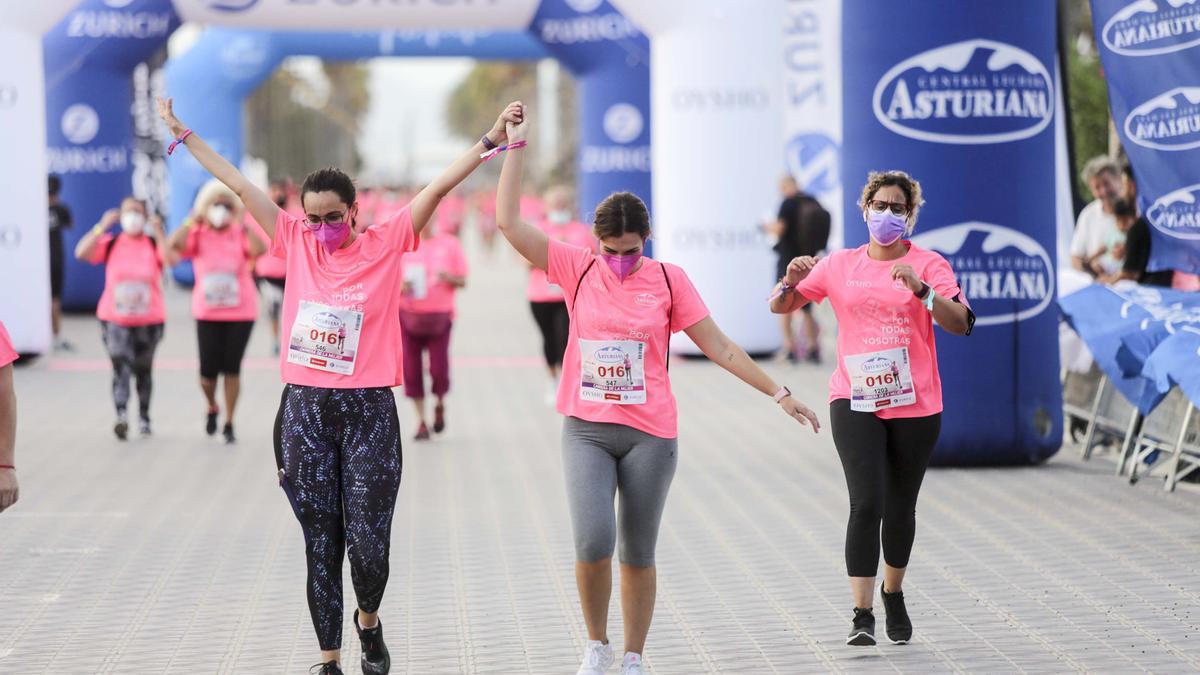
[1170, 121]
[1153, 27]
[1177, 214]
[876, 364]
[327, 320]
[118, 4]
[230, 5]
[623, 123]
[978, 91]
[610, 355]
[80, 123]
[584, 6]
[812, 158]
[1006, 275]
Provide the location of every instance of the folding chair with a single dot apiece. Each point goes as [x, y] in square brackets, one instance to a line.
[1161, 431]
[1185, 458]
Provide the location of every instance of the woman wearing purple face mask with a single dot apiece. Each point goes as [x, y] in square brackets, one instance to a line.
[337, 433]
[619, 435]
[224, 300]
[885, 397]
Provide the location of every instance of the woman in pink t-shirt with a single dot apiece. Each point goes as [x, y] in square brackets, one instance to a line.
[131, 309]
[337, 434]
[432, 275]
[619, 436]
[224, 301]
[885, 395]
[9, 489]
[546, 300]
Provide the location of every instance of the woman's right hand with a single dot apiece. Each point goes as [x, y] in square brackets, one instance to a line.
[518, 131]
[167, 113]
[111, 217]
[798, 269]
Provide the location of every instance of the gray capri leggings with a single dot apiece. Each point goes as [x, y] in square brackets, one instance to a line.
[599, 459]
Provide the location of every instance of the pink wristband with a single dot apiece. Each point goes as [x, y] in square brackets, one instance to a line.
[511, 146]
[177, 141]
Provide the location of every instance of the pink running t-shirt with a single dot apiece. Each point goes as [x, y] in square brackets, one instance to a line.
[224, 289]
[428, 294]
[7, 353]
[354, 291]
[876, 313]
[132, 280]
[266, 265]
[613, 320]
[576, 234]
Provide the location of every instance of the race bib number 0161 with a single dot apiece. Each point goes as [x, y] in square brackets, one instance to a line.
[325, 338]
[221, 290]
[880, 380]
[131, 298]
[613, 371]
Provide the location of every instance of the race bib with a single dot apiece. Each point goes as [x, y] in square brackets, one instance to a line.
[418, 286]
[880, 380]
[613, 371]
[221, 290]
[325, 338]
[131, 298]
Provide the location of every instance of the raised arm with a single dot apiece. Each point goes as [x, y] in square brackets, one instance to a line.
[86, 247]
[785, 299]
[726, 353]
[427, 200]
[530, 242]
[259, 204]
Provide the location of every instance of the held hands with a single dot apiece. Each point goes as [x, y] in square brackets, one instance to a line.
[906, 274]
[798, 269]
[800, 413]
[516, 128]
[501, 133]
[167, 113]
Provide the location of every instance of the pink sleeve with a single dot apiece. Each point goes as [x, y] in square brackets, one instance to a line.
[399, 232]
[100, 251]
[7, 353]
[285, 231]
[189, 244]
[565, 264]
[687, 307]
[940, 277]
[460, 260]
[815, 286]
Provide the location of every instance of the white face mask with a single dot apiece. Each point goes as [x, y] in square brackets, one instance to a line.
[218, 216]
[559, 217]
[132, 222]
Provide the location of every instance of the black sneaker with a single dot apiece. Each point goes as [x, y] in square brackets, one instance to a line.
[814, 357]
[422, 433]
[899, 626]
[210, 425]
[862, 634]
[144, 426]
[439, 418]
[375, 657]
[121, 428]
[328, 668]
[227, 432]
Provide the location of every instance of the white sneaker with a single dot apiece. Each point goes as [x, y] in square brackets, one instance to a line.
[632, 665]
[596, 659]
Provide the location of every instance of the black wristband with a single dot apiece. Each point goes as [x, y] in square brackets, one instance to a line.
[924, 291]
[487, 143]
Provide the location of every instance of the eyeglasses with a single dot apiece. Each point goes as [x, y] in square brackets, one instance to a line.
[879, 206]
[328, 219]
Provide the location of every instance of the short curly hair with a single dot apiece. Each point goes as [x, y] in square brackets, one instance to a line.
[907, 184]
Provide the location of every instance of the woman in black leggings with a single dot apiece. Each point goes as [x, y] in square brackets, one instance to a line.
[886, 395]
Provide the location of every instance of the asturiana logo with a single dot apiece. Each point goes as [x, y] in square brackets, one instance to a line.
[610, 355]
[1153, 27]
[1169, 121]
[1177, 214]
[876, 364]
[327, 320]
[230, 5]
[1006, 275]
[977, 91]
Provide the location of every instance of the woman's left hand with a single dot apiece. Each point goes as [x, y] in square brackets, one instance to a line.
[800, 413]
[513, 114]
[906, 274]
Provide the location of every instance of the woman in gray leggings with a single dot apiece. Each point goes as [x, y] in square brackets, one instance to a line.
[619, 436]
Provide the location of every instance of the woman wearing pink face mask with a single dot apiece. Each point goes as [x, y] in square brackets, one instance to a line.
[224, 300]
[619, 435]
[337, 434]
[885, 397]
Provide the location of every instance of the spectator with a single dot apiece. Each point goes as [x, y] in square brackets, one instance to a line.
[1108, 264]
[1137, 245]
[59, 220]
[801, 228]
[1096, 223]
[8, 423]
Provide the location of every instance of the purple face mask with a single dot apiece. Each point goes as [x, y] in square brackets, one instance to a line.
[886, 227]
[621, 265]
[331, 235]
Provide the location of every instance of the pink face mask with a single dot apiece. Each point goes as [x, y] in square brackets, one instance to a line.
[331, 235]
[621, 265]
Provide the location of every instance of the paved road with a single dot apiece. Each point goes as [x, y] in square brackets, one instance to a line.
[179, 554]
